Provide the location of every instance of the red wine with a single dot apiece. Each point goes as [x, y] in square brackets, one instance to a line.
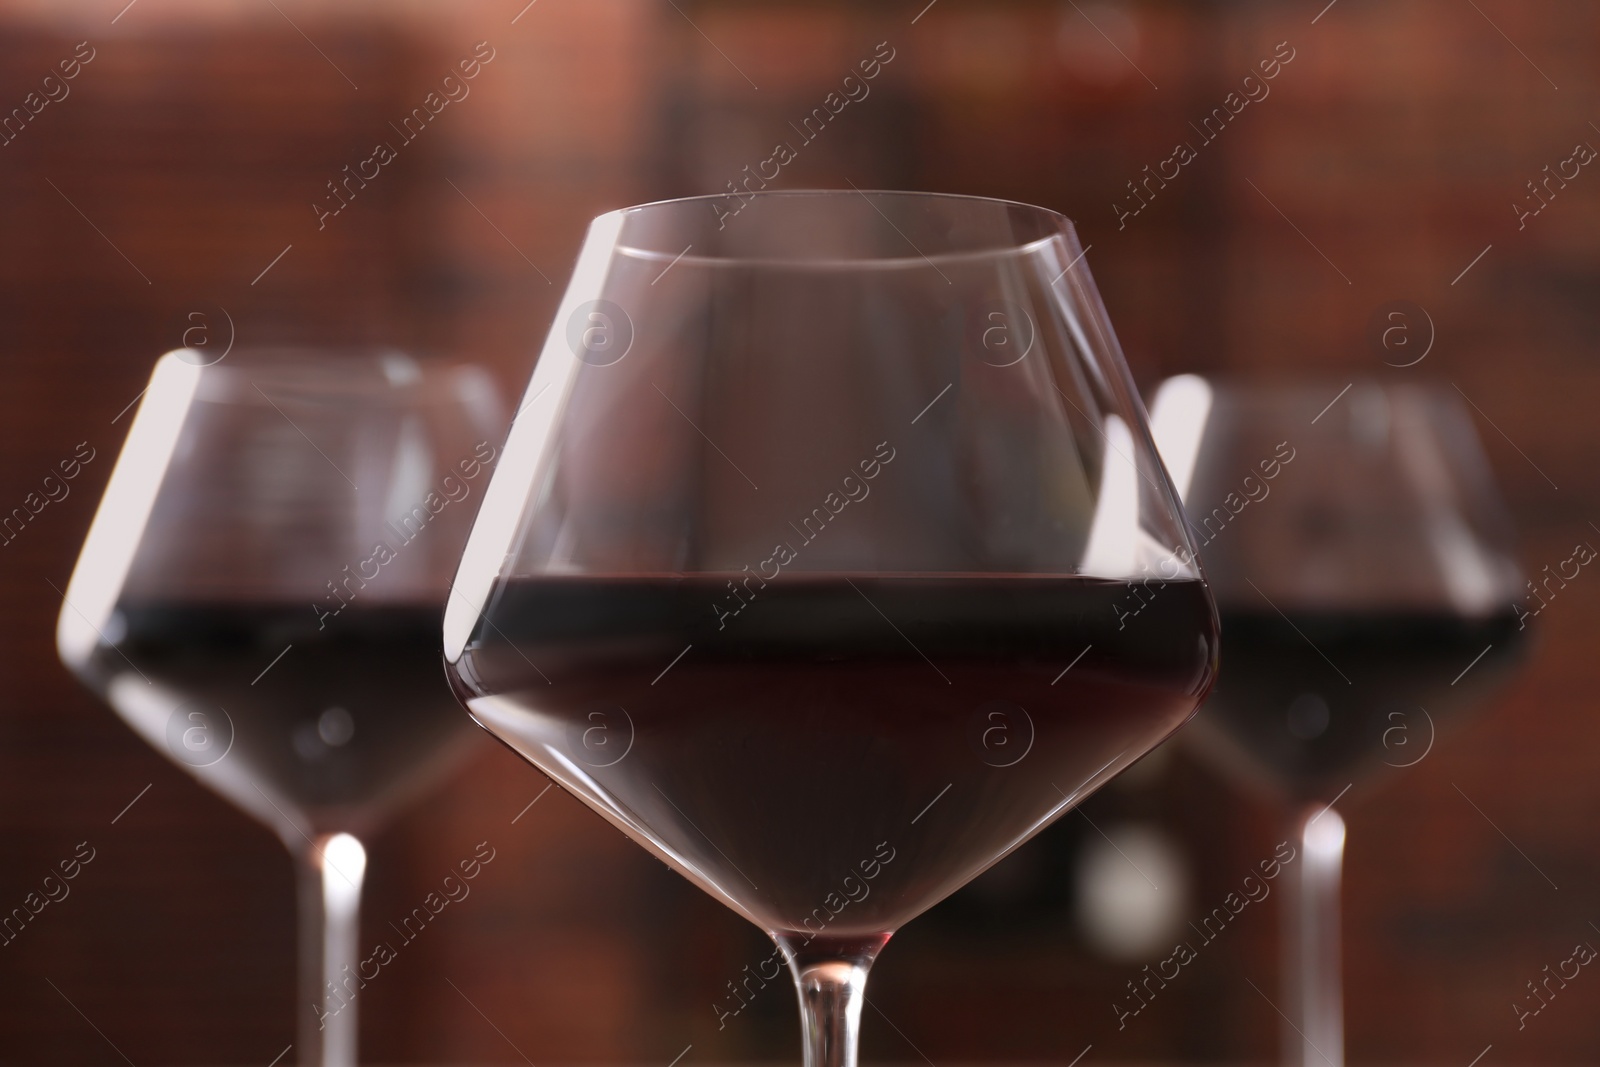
[350, 718]
[843, 752]
[1311, 701]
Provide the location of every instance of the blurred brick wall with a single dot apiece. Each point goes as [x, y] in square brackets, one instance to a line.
[1385, 159]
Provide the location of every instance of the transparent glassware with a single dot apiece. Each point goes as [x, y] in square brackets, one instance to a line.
[830, 559]
[259, 597]
[1364, 569]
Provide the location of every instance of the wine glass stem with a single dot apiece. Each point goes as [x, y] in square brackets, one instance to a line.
[1311, 971]
[330, 871]
[832, 988]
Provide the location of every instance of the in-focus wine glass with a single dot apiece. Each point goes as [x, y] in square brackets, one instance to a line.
[1364, 570]
[260, 595]
[830, 559]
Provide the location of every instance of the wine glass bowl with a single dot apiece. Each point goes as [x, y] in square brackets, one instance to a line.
[1368, 589]
[830, 558]
[259, 597]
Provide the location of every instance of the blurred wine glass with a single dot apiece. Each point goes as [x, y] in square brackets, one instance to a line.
[259, 597]
[1364, 570]
[822, 559]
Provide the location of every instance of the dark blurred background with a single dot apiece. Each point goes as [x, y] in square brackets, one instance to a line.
[171, 187]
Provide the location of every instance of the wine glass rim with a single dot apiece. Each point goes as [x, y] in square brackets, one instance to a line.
[1058, 224]
[331, 372]
[1319, 389]
[1246, 383]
